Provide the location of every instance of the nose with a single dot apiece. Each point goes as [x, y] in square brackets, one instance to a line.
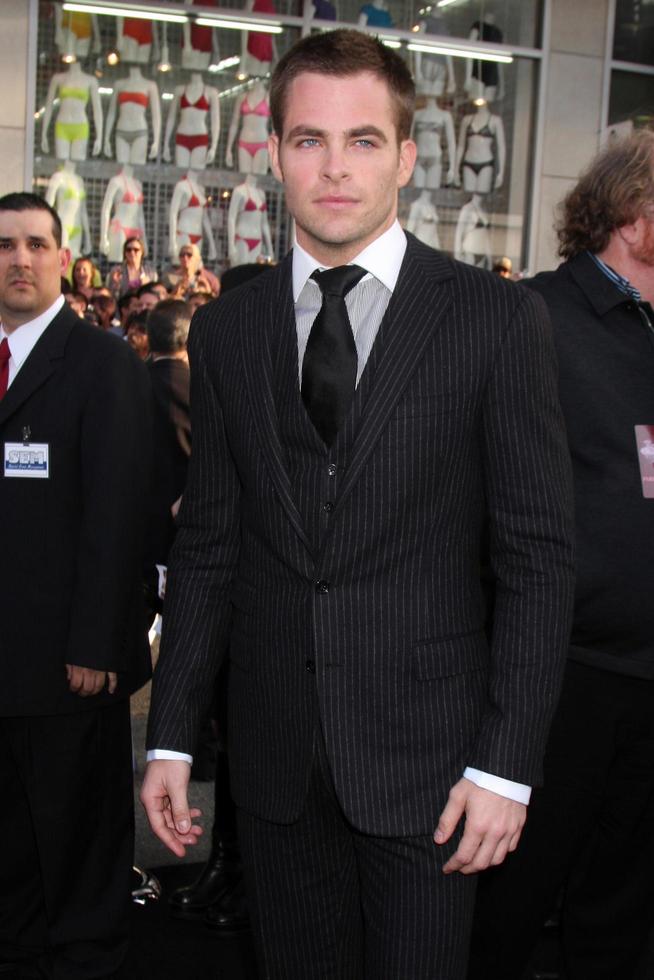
[22, 254]
[334, 164]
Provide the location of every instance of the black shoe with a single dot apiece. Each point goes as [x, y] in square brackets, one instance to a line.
[229, 916]
[218, 876]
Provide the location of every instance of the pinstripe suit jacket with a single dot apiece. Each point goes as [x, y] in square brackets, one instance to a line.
[460, 436]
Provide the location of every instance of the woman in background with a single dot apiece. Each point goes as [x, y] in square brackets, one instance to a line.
[133, 271]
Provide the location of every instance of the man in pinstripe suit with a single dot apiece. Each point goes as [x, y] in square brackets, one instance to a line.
[382, 749]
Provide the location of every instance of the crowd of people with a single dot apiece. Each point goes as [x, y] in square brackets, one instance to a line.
[440, 722]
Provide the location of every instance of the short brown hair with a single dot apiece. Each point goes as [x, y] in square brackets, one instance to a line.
[342, 53]
[26, 201]
[614, 191]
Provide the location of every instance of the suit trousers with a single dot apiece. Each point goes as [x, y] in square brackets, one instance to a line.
[331, 903]
[67, 824]
[589, 831]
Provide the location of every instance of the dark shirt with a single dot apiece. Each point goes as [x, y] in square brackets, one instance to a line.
[606, 365]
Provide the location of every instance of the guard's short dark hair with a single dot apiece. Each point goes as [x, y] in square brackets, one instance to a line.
[342, 53]
[24, 201]
[615, 190]
[147, 287]
[168, 325]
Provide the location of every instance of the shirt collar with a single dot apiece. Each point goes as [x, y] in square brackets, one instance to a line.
[621, 282]
[23, 338]
[382, 259]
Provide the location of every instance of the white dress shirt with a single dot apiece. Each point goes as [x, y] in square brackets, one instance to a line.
[366, 304]
[23, 338]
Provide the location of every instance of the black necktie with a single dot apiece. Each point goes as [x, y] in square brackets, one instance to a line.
[329, 369]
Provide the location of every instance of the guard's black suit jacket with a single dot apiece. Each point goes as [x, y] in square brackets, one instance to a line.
[70, 559]
[372, 623]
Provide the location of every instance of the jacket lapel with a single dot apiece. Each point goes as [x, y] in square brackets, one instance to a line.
[266, 314]
[40, 364]
[417, 309]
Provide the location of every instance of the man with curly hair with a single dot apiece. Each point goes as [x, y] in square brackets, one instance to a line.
[591, 828]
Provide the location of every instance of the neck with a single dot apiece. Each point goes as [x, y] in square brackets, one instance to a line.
[11, 320]
[640, 274]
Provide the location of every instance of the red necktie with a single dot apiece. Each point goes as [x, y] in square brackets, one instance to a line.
[5, 354]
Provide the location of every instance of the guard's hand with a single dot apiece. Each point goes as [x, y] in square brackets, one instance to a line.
[164, 798]
[86, 682]
[493, 825]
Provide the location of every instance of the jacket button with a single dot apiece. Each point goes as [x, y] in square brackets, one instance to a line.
[310, 667]
[332, 469]
[328, 507]
[322, 587]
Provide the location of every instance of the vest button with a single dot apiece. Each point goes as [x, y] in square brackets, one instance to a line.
[310, 666]
[328, 507]
[322, 587]
[332, 469]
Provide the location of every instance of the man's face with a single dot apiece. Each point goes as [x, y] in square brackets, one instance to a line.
[340, 162]
[643, 248]
[148, 301]
[31, 266]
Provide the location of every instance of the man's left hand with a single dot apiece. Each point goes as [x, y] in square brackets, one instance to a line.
[492, 828]
[86, 682]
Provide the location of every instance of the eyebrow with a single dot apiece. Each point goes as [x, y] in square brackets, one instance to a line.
[9, 239]
[357, 133]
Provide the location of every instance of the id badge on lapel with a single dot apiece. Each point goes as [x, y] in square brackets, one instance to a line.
[27, 460]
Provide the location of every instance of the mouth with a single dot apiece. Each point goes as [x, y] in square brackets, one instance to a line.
[337, 202]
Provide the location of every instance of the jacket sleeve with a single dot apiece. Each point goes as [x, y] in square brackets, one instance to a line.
[115, 470]
[529, 497]
[203, 562]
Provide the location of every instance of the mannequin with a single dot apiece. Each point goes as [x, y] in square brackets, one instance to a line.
[258, 50]
[423, 220]
[481, 152]
[319, 10]
[248, 230]
[430, 124]
[137, 40]
[375, 14]
[194, 102]
[131, 97]
[472, 238]
[199, 44]
[74, 89]
[252, 112]
[188, 218]
[67, 195]
[122, 214]
[485, 79]
[434, 73]
[75, 31]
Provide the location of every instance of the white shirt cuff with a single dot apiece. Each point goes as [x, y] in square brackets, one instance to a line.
[503, 787]
[168, 754]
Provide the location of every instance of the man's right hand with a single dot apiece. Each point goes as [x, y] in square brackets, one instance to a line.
[164, 797]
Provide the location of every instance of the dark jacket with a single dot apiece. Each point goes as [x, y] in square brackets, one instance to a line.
[606, 385]
[366, 616]
[71, 557]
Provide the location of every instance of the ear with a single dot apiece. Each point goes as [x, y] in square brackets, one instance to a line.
[65, 259]
[273, 153]
[408, 154]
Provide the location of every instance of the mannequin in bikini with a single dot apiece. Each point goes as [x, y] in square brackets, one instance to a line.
[74, 89]
[434, 73]
[481, 152]
[188, 217]
[430, 125]
[67, 195]
[258, 50]
[131, 98]
[423, 219]
[74, 32]
[485, 79]
[122, 214]
[199, 44]
[137, 40]
[251, 113]
[472, 237]
[248, 230]
[194, 102]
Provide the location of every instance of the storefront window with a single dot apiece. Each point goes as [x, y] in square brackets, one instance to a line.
[157, 129]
